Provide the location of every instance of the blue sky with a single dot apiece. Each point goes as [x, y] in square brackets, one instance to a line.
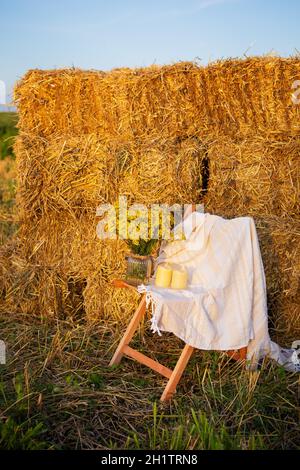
[114, 33]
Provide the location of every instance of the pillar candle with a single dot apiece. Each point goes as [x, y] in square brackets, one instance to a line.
[163, 275]
[179, 279]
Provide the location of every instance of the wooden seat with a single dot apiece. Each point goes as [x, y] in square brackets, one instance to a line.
[174, 375]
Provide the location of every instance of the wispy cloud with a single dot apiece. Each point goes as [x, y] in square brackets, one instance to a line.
[134, 15]
[198, 6]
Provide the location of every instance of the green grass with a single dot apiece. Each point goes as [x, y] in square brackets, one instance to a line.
[8, 131]
[58, 392]
[19, 431]
[7, 175]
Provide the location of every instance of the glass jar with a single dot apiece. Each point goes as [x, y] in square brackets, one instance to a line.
[139, 269]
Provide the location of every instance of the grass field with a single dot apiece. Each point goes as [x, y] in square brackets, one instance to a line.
[7, 132]
[7, 175]
[57, 392]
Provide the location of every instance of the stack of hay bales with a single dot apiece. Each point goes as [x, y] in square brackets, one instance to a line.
[226, 135]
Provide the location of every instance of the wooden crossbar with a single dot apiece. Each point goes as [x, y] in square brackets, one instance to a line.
[147, 361]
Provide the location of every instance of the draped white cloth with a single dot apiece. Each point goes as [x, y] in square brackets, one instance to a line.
[224, 306]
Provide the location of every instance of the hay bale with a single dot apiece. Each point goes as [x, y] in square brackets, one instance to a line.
[32, 288]
[280, 247]
[227, 97]
[256, 175]
[102, 300]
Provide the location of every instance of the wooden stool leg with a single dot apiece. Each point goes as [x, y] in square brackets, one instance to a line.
[238, 354]
[131, 329]
[177, 373]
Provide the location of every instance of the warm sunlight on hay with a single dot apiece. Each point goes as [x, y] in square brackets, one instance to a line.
[153, 134]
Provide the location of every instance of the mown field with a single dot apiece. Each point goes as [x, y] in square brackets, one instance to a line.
[57, 392]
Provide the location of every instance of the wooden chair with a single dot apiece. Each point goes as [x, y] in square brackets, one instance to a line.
[174, 375]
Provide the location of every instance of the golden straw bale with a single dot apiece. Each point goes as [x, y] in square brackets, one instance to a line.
[31, 288]
[254, 176]
[229, 97]
[102, 300]
[285, 320]
[61, 174]
[168, 172]
[280, 247]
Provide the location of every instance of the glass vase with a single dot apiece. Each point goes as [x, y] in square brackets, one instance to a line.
[139, 269]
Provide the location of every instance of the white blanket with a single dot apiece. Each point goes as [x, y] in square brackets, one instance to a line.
[224, 306]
